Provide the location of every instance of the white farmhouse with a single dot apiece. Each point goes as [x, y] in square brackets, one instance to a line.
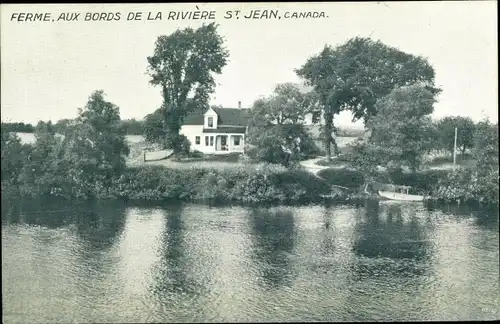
[217, 130]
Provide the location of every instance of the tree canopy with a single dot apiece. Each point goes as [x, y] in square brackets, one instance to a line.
[402, 123]
[353, 76]
[12, 157]
[283, 144]
[17, 127]
[445, 133]
[399, 131]
[153, 127]
[183, 66]
[485, 145]
[276, 134]
[288, 104]
[96, 147]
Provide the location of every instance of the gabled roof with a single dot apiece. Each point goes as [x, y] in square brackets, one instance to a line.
[232, 116]
[227, 117]
[194, 118]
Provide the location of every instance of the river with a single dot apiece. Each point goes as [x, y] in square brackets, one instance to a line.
[111, 262]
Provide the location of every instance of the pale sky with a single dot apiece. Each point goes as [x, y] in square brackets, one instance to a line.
[49, 69]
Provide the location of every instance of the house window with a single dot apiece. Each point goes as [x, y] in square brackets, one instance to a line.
[237, 141]
[211, 141]
[197, 140]
[206, 140]
[210, 122]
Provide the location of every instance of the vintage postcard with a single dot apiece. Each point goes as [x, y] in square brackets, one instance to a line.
[250, 162]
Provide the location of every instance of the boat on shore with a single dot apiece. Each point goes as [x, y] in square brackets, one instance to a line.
[403, 195]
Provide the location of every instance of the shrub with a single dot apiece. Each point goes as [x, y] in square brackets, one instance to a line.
[13, 157]
[243, 185]
[468, 185]
[343, 177]
[185, 144]
[280, 144]
[426, 180]
[300, 185]
[196, 154]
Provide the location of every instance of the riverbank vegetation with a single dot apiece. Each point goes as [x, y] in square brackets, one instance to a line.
[391, 91]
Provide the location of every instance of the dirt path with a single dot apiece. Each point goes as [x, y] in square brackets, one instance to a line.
[311, 166]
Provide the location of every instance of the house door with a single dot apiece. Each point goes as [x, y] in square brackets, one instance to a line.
[223, 142]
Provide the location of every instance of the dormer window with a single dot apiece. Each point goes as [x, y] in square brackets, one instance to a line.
[210, 119]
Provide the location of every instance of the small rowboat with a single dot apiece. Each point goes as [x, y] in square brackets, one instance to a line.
[401, 196]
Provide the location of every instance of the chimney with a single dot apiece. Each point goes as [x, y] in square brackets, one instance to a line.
[239, 104]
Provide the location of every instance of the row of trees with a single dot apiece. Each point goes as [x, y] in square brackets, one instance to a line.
[443, 133]
[130, 126]
[18, 127]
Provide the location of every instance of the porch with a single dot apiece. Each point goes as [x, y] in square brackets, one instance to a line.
[228, 143]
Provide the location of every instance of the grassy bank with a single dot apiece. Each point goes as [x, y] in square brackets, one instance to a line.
[156, 183]
[242, 185]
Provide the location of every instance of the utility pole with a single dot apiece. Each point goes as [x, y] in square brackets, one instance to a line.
[455, 148]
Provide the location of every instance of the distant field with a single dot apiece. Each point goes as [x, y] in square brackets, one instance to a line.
[344, 144]
[205, 164]
[29, 138]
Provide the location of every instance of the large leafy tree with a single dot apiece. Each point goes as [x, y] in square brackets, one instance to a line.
[276, 133]
[96, 148]
[485, 153]
[353, 76]
[44, 171]
[183, 66]
[399, 132]
[445, 129]
[485, 145]
[402, 123]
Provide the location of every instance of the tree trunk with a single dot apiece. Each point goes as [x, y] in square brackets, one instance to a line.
[171, 128]
[328, 135]
[336, 150]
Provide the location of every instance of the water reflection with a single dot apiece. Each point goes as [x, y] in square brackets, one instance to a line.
[394, 232]
[100, 225]
[273, 238]
[184, 263]
[60, 239]
[48, 212]
[328, 241]
[173, 278]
